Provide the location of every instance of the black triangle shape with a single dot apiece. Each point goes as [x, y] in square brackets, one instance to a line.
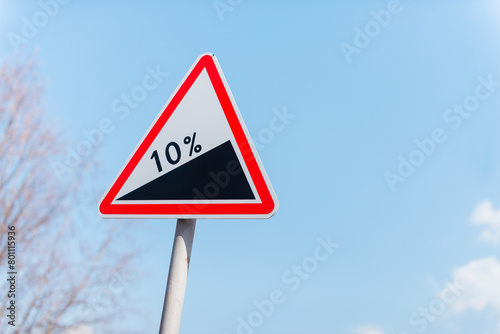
[214, 175]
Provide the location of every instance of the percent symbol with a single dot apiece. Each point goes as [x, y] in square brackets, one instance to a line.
[196, 148]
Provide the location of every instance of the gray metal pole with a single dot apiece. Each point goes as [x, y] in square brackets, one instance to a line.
[177, 276]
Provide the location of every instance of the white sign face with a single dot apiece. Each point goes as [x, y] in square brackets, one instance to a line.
[189, 135]
[196, 160]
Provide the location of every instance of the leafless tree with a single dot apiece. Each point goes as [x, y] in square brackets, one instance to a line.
[71, 272]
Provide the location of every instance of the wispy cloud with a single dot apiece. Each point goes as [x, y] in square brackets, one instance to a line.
[481, 277]
[486, 216]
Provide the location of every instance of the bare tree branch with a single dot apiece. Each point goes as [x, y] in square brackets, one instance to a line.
[60, 264]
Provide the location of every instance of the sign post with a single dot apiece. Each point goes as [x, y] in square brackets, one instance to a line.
[197, 160]
[177, 276]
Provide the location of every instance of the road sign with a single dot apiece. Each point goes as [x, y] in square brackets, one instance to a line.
[197, 159]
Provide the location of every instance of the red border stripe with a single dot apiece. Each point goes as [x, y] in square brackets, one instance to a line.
[267, 204]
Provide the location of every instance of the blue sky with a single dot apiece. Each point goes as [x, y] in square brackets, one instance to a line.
[356, 117]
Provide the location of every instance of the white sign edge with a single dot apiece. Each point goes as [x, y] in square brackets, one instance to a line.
[247, 135]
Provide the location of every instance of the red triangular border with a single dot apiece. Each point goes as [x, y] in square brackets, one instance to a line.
[269, 202]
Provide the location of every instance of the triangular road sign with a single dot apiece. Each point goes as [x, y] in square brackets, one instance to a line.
[197, 159]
